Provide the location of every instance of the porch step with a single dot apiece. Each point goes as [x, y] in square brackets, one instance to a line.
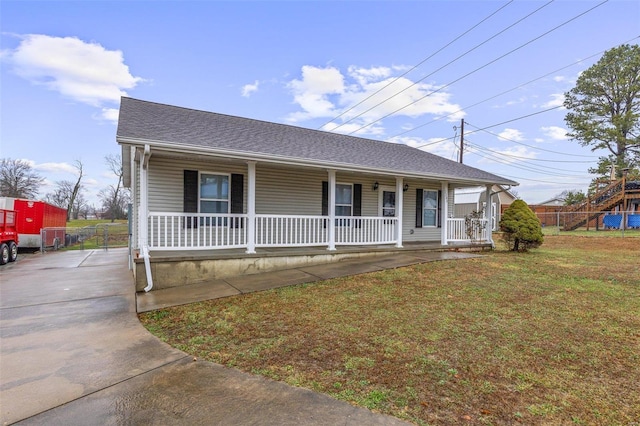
[219, 288]
[177, 269]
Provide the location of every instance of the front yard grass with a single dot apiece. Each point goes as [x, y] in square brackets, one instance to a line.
[547, 337]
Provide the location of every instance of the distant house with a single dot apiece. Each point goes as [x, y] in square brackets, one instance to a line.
[468, 200]
[224, 185]
[552, 202]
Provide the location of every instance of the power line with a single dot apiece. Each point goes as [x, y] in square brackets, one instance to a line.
[499, 124]
[527, 145]
[544, 181]
[510, 90]
[446, 65]
[416, 66]
[494, 155]
[483, 66]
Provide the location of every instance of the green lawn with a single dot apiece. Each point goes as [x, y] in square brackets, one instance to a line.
[547, 337]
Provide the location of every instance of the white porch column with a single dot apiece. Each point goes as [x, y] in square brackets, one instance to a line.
[251, 207]
[332, 210]
[399, 203]
[445, 214]
[143, 218]
[489, 215]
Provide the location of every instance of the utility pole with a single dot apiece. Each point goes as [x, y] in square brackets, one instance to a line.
[461, 139]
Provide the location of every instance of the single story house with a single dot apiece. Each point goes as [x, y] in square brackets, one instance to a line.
[468, 200]
[208, 185]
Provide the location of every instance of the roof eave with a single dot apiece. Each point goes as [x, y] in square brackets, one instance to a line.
[285, 160]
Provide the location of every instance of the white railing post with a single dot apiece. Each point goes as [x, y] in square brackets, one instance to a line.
[399, 203]
[444, 240]
[332, 210]
[251, 208]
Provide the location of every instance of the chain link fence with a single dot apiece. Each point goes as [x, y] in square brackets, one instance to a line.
[101, 236]
[554, 223]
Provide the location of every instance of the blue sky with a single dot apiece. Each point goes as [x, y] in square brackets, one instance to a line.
[397, 71]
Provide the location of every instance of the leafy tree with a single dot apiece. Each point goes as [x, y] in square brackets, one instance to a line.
[18, 179]
[604, 108]
[521, 228]
[572, 196]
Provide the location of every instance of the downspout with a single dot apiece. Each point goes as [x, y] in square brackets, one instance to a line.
[145, 216]
[489, 216]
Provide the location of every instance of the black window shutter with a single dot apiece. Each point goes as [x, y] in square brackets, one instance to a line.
[419, 202]
[357, 203]
[190, 196]
[325, 198]
[237, 193]
[439, 209]
[325, 201]
[357, 199]
[237, 198]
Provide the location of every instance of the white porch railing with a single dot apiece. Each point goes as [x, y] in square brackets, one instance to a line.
[457, 231]
[291, 231]
[358, 230]
[193, 231]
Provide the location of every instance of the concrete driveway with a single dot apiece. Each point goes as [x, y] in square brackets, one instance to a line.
[73, 352]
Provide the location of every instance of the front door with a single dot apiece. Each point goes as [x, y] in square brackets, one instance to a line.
[387, 202]
[387, 208]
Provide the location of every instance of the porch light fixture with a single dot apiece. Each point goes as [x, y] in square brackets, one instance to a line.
[405, 188]
[375, 186]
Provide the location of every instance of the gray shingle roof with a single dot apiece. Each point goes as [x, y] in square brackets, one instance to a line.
[182, 127]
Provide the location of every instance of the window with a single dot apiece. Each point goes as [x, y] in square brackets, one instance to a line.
[430, 208]
[214, 193]
[344, 199]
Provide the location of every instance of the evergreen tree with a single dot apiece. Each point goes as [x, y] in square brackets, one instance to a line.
[521, 227]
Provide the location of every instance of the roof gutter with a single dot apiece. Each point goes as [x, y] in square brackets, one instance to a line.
[270, 158]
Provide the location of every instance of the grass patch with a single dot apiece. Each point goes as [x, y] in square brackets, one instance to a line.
[546, 337]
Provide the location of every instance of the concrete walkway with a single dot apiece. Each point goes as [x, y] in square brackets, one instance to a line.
[214, 289]
[72, 352]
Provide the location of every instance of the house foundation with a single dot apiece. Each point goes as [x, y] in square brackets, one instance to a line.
[174, 269]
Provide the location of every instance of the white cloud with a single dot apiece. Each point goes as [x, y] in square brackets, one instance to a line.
[511, 134]
[110, 114]
[555, 132]
[81, 71]
[248, 89]
[559, 78]
[56, 168]
[557, 99]
[312, 92]
[327, 93]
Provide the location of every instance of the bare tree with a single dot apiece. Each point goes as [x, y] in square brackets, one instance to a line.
[69, 194]
[18, 179]
[115, 198]
[76, 189]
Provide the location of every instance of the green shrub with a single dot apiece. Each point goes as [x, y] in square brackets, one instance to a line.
[521, 228]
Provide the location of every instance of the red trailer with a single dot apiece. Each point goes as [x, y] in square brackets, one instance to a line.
[33, 216]
[8, 237]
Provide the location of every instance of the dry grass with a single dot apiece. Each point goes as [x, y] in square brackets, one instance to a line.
[547, 337]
